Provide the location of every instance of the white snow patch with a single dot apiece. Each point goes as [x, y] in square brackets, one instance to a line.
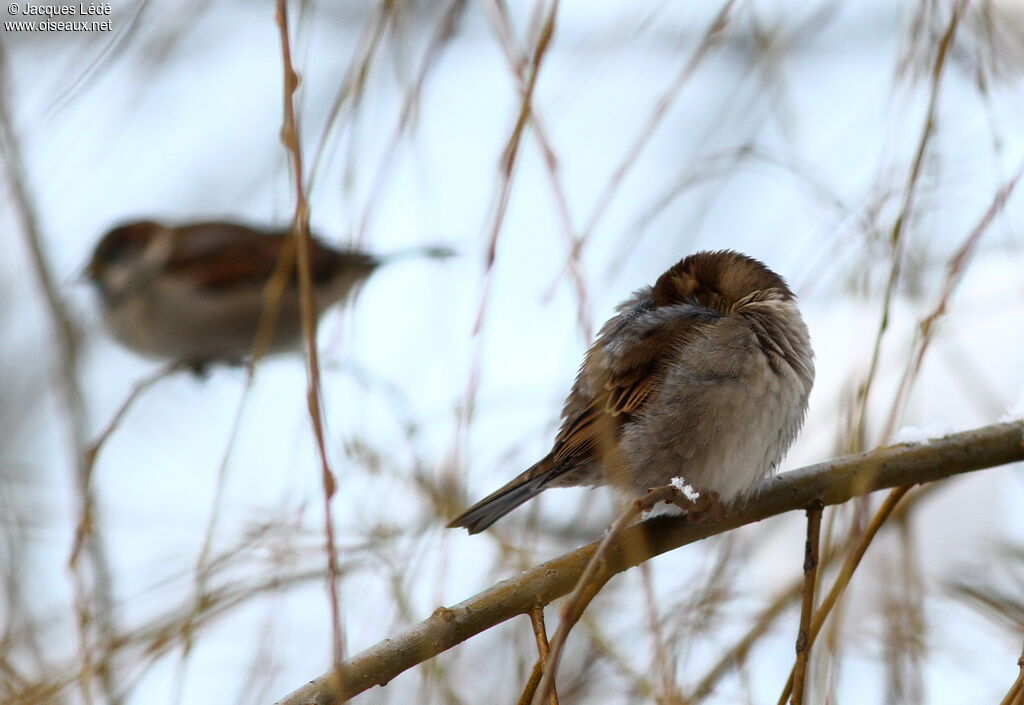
[686, 488]
[920, 434]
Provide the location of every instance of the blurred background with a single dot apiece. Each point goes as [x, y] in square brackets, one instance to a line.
[570, 151]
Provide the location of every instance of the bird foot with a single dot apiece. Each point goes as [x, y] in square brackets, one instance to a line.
[200, 369]
[706, 508]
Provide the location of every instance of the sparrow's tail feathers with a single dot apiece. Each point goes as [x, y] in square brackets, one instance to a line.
[425, 251]
[499, 503]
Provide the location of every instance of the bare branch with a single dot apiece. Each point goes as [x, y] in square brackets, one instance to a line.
[830, 482]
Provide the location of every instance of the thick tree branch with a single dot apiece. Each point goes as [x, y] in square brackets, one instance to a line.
[831, 482]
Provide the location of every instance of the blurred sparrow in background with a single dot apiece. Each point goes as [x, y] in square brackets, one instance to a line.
[703, 376]
[195, 293]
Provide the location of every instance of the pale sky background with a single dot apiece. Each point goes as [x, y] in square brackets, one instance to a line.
[176, 116]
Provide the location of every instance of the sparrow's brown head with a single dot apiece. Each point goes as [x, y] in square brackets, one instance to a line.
[717, 280]
[121, 244]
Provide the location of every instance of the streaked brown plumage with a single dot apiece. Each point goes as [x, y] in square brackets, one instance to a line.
[703, 376]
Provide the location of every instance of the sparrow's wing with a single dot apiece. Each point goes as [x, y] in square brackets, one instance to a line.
[619, 373]
[621, 370]
[218, 255]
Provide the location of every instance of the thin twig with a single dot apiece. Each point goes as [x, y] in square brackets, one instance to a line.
[93, 598]
[589, 584]
[896, 237]
[543, 649]
[1015, 696]
[441, 37]
[92, 452]
[735, 656]
[803, 642]
[202, 573]
[159, 634]
[608, 648]
[300, 231]
[776, 607]
[955, 269]
[659, 646]
[354, 81]
[711, 38]
[518, 62]
[510, 153]
[846, 573]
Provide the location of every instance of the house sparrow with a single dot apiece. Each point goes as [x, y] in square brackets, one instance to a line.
[195, 293]
[703, 376]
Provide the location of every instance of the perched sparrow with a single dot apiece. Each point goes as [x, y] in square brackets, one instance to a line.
[703, 376]
[195, 293]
